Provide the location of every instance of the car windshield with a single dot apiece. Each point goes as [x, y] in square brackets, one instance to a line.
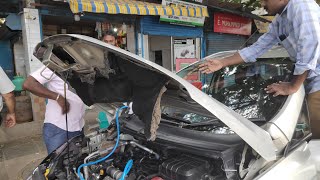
[240, 87]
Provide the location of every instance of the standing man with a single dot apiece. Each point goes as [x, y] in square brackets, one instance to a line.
[6, 91]
[109, 37]
[55, 128]
[297, 27]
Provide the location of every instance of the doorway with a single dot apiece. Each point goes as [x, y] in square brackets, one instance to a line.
[158, 57]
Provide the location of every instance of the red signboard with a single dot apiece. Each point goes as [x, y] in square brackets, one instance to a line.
[232, 24]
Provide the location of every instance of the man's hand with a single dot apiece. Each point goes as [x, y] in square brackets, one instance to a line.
[213, 65]
[10, 120]
[65, 106]
[210, 66]
[281, 88]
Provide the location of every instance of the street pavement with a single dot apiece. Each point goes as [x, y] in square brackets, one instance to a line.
[18, 158]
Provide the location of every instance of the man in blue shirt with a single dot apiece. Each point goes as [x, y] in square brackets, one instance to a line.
[297, 27]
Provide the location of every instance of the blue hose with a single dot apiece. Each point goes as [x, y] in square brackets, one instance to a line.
[114, 148]
[126, 169]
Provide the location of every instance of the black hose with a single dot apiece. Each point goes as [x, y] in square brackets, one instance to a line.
[114, 172]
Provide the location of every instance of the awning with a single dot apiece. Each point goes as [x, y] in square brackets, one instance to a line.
[134, 7]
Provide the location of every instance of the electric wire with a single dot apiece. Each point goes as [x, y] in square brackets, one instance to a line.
[65, 104]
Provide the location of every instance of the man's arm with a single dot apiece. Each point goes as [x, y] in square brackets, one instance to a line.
[248, 54]
[216, 64]
[6, 90]
[32, 85]
[10, 101]
[306, 29]
[287, 88]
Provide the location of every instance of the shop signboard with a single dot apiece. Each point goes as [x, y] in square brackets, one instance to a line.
[231, 24]
[184, 48]
[182, 20]
[184, 55]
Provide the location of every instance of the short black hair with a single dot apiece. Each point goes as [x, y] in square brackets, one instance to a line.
[110, 33]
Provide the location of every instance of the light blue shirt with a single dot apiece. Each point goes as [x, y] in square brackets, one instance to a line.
[297, 28]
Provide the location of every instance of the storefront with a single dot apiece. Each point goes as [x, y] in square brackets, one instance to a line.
[161, 43]
[90, 24]
[171, 41]
[147, 16]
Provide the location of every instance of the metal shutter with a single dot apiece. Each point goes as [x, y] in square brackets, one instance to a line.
[216, 42]
[6, 61]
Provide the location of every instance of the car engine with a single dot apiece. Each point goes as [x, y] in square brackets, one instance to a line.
[151, 160]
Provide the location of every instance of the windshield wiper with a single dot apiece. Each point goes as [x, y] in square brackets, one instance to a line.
[209, 122]
[172, 122]
[216, 120]
[165, 116]
[262, 119]
[185, 123]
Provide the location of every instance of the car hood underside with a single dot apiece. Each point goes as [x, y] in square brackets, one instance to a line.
[101, 73]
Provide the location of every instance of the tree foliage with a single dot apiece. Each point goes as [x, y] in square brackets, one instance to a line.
[250, 3]
[246, 3]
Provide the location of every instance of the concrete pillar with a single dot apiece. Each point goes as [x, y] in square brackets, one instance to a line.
[198, 48]
[31, 33]
[131, 39]
[146, 47]
[18, 51]
[140, 44]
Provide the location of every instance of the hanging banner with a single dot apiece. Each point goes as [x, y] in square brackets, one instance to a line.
[183, 20]
[231, 24]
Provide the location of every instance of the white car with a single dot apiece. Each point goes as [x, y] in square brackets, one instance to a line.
[184, 126]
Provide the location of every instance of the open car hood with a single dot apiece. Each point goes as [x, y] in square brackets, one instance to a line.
[101, 73]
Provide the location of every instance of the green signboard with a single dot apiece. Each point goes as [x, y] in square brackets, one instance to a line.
[183, 20]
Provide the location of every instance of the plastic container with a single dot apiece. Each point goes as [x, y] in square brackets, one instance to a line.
[103, 120]
[18, 82]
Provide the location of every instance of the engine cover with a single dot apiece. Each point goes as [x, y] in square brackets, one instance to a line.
[184, 168]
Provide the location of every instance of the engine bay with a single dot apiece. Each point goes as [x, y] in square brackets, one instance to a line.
[150, 160]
